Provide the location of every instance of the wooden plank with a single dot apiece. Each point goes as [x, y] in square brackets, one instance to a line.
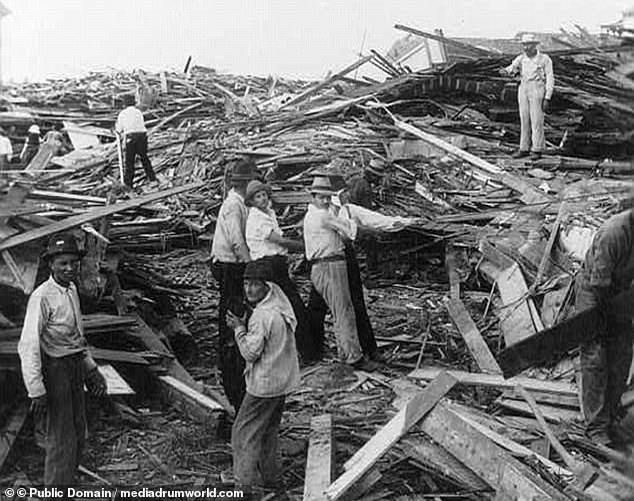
[126, 357]
[552, 414]
[313, 90]
[472, 338]
[411, 413]
[446, 41]
[530, 194]
[452, 272]
[41, 159]
[194, 403]
[19, 270]
[116, 385]
[497, 381]
[484, 457]
[320, 459]
[552, 238]
[11, 430]
[78, 220]
[519, 318]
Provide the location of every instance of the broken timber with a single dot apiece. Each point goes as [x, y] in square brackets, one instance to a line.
[472, 338]
[320, 460]
[497, 381]
[197, 405]
[407, 417]
[78, 220]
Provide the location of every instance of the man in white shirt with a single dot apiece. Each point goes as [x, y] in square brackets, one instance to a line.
[230, 254]
[131, 125]
[56, 362]
[324, 234]
[6, 150]
[534, 93]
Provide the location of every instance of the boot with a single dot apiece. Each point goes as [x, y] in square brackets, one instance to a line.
[520, 154]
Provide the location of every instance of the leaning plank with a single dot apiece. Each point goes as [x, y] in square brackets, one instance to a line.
[530, 194]
[115, 384]
[447, 41]
[196, 404]
[320, 460]
[471, 335]
[520, 319]
[541, 270]
[41, 159]
[10, 431]
[454, 279]
[492, 463]
[78, 220]
[497, 381]
[407, 417]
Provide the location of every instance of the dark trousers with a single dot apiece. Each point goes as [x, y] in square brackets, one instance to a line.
[370, 245]
[277, 267]
[136, 144]
[229, 278]
[317, 309]
[254, 439]
[65, 418]
[605, 365]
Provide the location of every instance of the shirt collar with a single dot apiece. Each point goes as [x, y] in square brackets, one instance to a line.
[233, 192]
[51, 281]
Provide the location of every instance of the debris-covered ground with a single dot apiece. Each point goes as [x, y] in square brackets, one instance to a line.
[490, 264]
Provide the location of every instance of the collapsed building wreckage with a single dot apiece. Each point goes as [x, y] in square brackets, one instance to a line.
[490, 264]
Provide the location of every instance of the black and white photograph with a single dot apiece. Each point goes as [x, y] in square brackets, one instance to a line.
[330, 250]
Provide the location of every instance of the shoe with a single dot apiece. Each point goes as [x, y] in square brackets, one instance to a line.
[535, 155]
[377, 356]
[366, 365]
[520, 154]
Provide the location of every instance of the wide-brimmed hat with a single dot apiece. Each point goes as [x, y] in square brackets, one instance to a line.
[255, 187]
[34, 129]
[244, 170]
[529, 38]
[257, 270]
[62, 244]
[322, 186]
[376, 167]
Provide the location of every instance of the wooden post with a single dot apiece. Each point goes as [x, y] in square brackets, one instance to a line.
[320, 460]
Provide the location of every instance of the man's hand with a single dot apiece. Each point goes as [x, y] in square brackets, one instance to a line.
[38, 405]
[96, 383]
[234, 321]
[546, 105]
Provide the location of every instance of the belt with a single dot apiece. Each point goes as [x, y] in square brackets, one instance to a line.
[327, 259]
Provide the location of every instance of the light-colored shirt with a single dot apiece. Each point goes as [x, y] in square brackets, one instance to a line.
[538, 68]
[324, 232]
[5, 146]
[372, 220]
[130, 120]
[268, 346]
[52, 324]
[229, 245]
[260, 225]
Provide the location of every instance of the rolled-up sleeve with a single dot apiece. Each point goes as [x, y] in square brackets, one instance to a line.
[514, 67]
[29, 346]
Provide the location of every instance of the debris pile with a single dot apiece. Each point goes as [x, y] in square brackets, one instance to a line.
[490, 264]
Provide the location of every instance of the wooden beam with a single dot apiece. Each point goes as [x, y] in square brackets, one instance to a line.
[497, 381]
[320, 460]
[549, 247]
[529, 194]
[452, 272]
[447, 41]
[551, 413]
[194, 403]
[11, 429]
[387, 436]
[115, 384]
[78, 220]
[489, 461]
[316, 88]
[472, 338]
[41, 159]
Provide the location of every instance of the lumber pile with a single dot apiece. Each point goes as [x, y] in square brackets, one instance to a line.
[489, 264]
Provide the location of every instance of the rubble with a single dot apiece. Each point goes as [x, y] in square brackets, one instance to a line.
[489, 265]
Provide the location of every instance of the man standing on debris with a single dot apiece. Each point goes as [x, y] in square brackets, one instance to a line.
[608, 269]
[131, 125]
[268, 246]
[230, 254]
[267, 344]
[324, 236]
[6, 150]
[56, 362]
[534, 93]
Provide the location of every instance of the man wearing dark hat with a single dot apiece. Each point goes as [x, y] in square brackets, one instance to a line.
[230, 254]
[56, 362]
[267, 343]
[131, 124]
[534, 93]
[324, 237]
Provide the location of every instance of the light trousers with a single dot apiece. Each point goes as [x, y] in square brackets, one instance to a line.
[530, 96]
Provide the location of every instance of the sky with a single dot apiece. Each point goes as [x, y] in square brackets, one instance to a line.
[301, 38]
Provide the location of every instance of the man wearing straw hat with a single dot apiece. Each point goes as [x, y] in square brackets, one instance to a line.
[324, 235]
[229, 255]
[534, 93]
